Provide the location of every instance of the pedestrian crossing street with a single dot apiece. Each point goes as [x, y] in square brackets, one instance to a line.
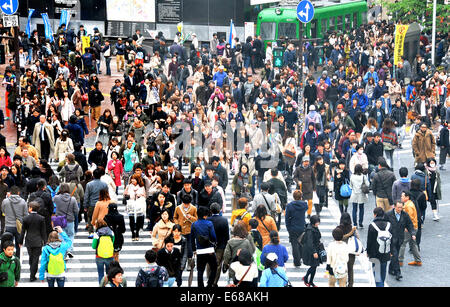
[82, 270]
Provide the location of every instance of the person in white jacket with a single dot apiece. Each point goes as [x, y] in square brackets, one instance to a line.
[63, 146]
[337, 258]
[358, 158]
[136, 205]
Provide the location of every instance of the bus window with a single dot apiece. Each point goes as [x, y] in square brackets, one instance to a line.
[287, 30]
[355, 20]
[323, 25]
[364, 18]
[314, 28]
[347, 22]
[267, 31]
[332, 23]
[340, 25]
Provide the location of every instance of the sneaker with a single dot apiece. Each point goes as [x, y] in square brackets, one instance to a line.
[415, 263]
[442, 168]
[70, 255]
[361, 226]
[313, 285]
[91, 236]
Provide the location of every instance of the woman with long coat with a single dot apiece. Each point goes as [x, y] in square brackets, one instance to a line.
[116, 222]
[310, 250]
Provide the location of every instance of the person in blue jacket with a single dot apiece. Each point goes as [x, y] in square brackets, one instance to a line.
[295, 224]
[363, 100]
[371, 73]
[273, 275]
[203, 241]
[219, 76]
[54, 247]
[275, 247]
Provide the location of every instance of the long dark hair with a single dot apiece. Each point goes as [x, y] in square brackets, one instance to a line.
[345, 222]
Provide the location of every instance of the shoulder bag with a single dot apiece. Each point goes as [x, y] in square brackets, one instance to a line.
[233, 285]
[61, 220]
[364, 187]
[288, 283]
[18, 222]
[272, 213]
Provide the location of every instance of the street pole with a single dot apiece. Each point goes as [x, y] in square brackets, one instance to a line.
[433, 39]
[300, 100]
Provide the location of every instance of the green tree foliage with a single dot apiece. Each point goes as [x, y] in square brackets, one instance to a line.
[420, 11]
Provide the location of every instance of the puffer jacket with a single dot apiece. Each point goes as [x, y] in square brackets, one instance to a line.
[160, 232]
[233, 245]
[382, 183]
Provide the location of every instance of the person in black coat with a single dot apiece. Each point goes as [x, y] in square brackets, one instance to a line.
[208, 196]
[400, 221]
[98, 156]
[378, 259]
[221, 172]
[222, 231]
[295, 224]
[34, 227]
[170, 258]
[310, 250]
[44, 198]
[80, 157]
[116, 222]
[444, 144]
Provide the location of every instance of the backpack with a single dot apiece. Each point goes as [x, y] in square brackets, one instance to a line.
[151, 280]
[105, 246]
[69, 172]
[239, 218]
[56, 264]
[383, 238]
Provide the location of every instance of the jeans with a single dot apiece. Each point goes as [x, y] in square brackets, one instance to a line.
[59, 281]
[361, 213]
[13, 231]
[102, 266]
[70, 231]
[108, 67]
[202, 260]
[379, 271]
[182, 84]
[30, 55]
[389, 156]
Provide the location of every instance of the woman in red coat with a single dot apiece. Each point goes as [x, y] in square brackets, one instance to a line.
[115, 169]
[5, 158]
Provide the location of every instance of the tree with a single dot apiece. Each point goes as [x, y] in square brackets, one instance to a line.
[420, 11]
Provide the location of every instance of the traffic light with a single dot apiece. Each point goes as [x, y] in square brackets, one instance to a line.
[278, 54]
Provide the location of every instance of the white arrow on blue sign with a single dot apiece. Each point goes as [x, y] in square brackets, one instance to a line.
[9, 7]
[305, 11]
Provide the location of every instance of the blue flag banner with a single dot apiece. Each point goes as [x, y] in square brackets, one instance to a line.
[232, 35]
[48, 27]
[65, 18]
[28, 30]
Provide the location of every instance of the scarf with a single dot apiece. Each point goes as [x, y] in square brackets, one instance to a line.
[431, 169]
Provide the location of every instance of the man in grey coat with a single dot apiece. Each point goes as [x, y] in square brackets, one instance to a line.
[14, 208]
[264, 198]
[91, 196]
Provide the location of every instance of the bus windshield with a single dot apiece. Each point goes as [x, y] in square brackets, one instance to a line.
[267, 31]
[287, 30]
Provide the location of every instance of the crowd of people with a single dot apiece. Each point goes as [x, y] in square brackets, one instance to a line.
[216, 111]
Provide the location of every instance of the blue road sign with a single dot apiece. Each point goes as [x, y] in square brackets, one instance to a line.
[9, 7]
[305, 11]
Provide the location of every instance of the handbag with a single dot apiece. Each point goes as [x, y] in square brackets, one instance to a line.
[233, 285]
[345, 189]
[322, 253]
[60, 220]
[364, 187]
[18, 222]
[289, 151]
[85, 97]
[355, 246]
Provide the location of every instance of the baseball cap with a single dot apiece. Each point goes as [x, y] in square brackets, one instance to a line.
[272, 257]
[305, 158]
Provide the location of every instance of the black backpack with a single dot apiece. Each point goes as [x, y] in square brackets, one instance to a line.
[151, 280]
[69, 172]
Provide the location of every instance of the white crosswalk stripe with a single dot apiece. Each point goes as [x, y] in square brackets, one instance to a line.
[82, 270]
